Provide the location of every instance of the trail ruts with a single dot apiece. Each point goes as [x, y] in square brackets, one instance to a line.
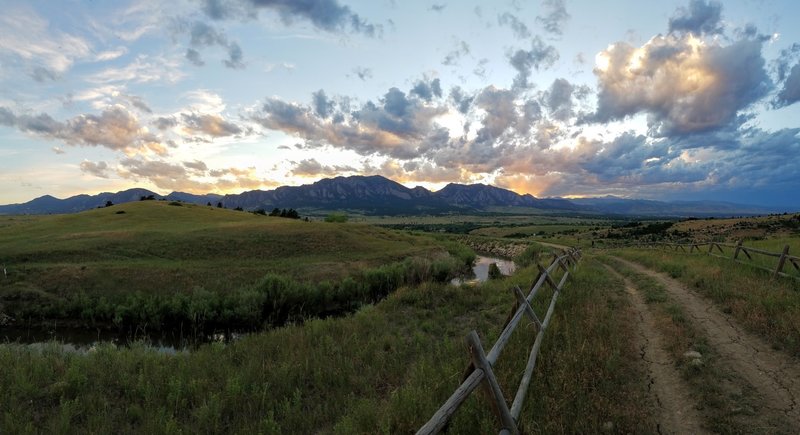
[775, 376]
[677, 410]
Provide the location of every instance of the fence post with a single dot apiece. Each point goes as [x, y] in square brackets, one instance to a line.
[738, 247]
[782, 260]
[710, 247]
[480, 361]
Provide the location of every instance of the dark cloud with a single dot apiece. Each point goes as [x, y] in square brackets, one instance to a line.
[197, 166]
[211, 125]
[427, 90]
[322, 105]
[203, 35]
[556, 16]
[437, 7]
[701, 17]
[98, 169]
[165, 122]
[194, 57]
[790, 93]
[559, 99]
[683, 84]
[538, 57]
[235, 56]
[462, 102]
[327, 15]
[517, 26]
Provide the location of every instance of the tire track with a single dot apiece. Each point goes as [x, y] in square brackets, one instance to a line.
[774, 376]
[677, 410]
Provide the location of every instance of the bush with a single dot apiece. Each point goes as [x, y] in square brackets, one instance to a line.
[529, 256]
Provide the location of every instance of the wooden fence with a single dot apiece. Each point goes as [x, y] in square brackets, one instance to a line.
[733, 253]
[480, 370]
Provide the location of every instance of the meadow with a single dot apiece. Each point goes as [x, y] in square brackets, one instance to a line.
[395, 351]
[156, 264]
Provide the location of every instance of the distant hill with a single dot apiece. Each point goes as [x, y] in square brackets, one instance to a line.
[377, 195]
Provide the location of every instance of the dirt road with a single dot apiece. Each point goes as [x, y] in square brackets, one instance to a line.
[677, 410]
[774, 376]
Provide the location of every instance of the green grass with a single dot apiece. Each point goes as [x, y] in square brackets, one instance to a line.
[159, 264]
[769, 307]
[385, 369]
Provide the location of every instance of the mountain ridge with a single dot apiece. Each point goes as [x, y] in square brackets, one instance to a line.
[378, 195]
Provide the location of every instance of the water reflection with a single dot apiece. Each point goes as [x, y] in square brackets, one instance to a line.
[480, 270]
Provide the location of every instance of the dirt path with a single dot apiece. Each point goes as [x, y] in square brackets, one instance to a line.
[774, 375]
[677, 410]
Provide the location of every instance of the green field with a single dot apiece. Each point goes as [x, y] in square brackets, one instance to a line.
[396, 350]
[160, 262]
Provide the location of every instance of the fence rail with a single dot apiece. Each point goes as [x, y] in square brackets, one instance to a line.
[715, 249]
[480, 369]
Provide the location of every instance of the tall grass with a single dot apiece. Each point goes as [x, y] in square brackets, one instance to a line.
[274, 300]
[384, 369]
[769, 307]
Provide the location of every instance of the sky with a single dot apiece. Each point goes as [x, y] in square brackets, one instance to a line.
[668, 100]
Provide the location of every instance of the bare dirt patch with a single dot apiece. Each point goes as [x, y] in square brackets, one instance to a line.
[773, 375]
[677, 409]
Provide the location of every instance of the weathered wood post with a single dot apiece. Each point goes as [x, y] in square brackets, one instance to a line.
[736, 251]
[710, 247]
[782, 260]
[480, 361]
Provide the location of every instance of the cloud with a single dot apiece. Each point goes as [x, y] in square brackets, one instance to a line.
[683, 83]
[211, 125]
[194, 57]
[203, 35]
[107, 55]
[701, 17]
[556, 18]
[98, 169]
[327, 15]
[538, 57]
[115, 128]
[235, 56]
[362, 73]
[427, 90]
[517, 26]
[322, 105]
[46, 53]
[452, 58]
[559, 99]
[790, 93]
[437, 7]
[397, 125]
[312, 168]
[143, 69]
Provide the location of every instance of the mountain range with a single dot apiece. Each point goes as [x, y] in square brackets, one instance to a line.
[377, 195]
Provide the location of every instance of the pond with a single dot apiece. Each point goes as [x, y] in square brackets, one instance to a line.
[480, 270]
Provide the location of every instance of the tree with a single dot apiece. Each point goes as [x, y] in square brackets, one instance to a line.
[109, 203]
[219, 205]
[208, 203]
[275, 212]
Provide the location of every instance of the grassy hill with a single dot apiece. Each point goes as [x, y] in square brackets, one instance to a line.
[157, 250]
